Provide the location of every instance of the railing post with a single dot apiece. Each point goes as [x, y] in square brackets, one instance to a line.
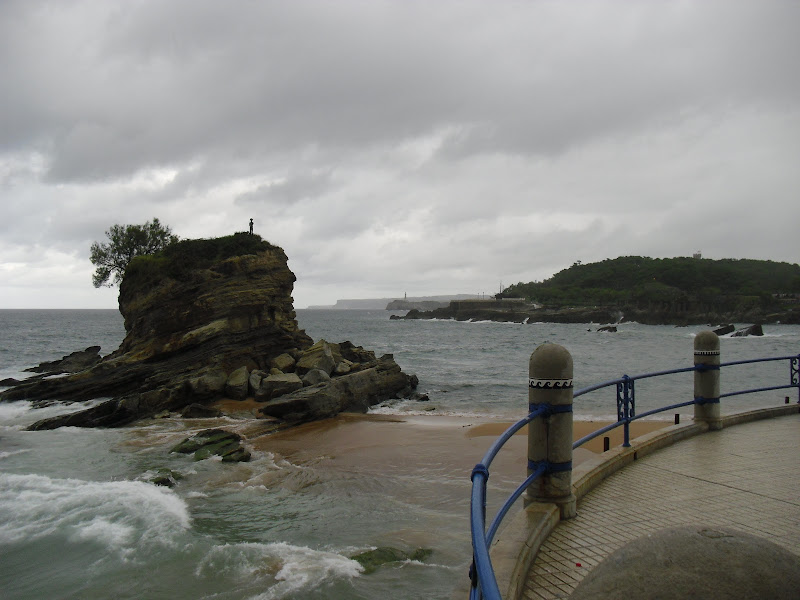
[706, 379]
[550, 434]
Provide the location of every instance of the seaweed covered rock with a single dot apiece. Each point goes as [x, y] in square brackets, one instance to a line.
[372, 559]
[217, 442]
[166, 477]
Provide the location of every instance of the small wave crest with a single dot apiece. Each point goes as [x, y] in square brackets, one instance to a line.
[7, 453]
[19, 414]
[416, 409]
[286, 568]
[121, 516]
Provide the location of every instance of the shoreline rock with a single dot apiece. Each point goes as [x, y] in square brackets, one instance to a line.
[354, 392]
[755, 330]
[525, 312]
[214, 442]
[199, 329]
[372, 559]
[74, 362]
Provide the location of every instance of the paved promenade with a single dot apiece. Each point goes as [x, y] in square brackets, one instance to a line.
[745, 477]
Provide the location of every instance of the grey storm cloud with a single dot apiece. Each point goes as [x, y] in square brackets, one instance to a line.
[456, 142]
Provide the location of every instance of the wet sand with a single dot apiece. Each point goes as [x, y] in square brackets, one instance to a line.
[438, 443]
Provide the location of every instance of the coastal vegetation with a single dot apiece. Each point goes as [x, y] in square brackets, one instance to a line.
[673, 284]
[179, 259]
[125, 242]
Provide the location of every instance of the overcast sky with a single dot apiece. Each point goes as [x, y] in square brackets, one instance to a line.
[397, 146]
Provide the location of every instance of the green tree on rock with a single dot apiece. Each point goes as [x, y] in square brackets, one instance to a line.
[125, 242]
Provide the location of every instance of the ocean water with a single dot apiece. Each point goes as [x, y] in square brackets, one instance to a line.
[79, 518]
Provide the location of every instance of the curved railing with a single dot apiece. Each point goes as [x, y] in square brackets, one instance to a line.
[483, 581]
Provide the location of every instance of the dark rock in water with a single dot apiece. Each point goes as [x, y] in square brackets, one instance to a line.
[110, 413]
[756, 330]
[211, 442]
[200, 317]
[372, 559]
[166, 477]
[724, 329]
[200, 411]
[71, 363]
[9, 381]
[420, 397]
[609, 328]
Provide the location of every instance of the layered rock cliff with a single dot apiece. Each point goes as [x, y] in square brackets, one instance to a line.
[201, 318]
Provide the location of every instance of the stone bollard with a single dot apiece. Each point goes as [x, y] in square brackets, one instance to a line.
[550, 434]
[706, 381]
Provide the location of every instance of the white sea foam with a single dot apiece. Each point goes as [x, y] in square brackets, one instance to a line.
[286, 568]
[6, 454]
[20, 414]
[411, 408]
[122, 516]
[11, 411]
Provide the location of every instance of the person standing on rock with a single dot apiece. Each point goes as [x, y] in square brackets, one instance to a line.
[251, 226]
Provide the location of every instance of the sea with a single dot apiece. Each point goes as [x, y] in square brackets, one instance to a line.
[80, 518]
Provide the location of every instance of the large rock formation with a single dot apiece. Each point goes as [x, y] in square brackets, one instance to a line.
[372, 382]
[201, 319]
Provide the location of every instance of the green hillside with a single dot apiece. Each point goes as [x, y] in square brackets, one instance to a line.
[690, 283]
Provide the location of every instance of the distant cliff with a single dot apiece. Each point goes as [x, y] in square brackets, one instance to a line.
[410, 305]
[394, 303]
[200, 318]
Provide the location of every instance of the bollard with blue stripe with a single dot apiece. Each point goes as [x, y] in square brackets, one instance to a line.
[550, 434]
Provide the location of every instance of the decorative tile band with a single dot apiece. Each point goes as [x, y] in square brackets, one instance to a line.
[706, 352]
[550, 384]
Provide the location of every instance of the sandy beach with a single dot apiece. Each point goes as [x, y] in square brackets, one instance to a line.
[444, 443]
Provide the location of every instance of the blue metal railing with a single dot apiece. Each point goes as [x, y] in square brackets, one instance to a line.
[484, 582]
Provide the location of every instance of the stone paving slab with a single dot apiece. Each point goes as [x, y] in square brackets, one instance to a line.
[744, 477]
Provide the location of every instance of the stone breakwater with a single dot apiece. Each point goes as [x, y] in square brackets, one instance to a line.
[225, 328]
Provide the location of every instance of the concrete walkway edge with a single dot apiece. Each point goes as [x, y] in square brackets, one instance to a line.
[517, 543]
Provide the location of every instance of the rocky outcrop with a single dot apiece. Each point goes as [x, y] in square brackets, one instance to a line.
[206, 319]
[71, 363]
[724, 329]
[354, 392]
[756, 330]
[277, 385]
